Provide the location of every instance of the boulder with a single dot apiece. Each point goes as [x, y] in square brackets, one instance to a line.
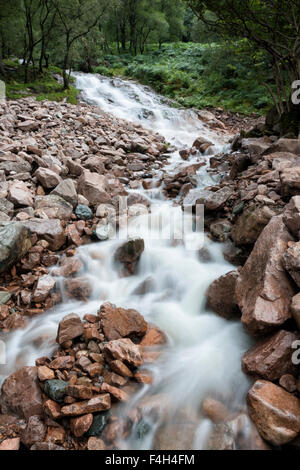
[49, 230]
[21, 394]
[250, 224]
[79, 288]
[290, 182]
[221, 296]
[67, 191]
[264, 291]
[291, 216]
[44, 286]
[19, 194]
[272, 357]
[79, 426]
[124, 350]
[291, 262]
[15, 242]
[48, 178]
[129, 255]
[275, 412]
[212, 201]
[94, 188]
[69, 328]
[121, 323]
[54, 207]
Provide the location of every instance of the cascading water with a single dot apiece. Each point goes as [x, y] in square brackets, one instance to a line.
[203, 354]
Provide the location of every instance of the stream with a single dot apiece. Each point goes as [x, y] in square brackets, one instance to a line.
[203, 354]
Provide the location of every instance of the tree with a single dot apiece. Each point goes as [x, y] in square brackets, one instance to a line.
[77, 19]
[272, 26]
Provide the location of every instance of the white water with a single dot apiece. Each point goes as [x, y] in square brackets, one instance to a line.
[203, 355]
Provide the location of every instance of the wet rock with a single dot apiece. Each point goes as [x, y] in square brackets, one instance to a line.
[129, 255]
[94, 188]
[291, 262]
[67, 191]
[202, 144]
[212, 201]
[272, 357]
[19, 194]
[121, 323]
[220, 229]
[96, 444]
[79, 288]
[52, 409]
[54, 207]
[291, 216]
[48, 178]
[250, 224]
[69, 328]
[96, 404]
[221, 296]
[175, 437]
[62, 362]
[80, 426]
[264, 291]
[44, 286]
[214, 410]
[221, 438]
[56, 389]
[49, 230]
[120, 368]
[21, 394]
[275, 412]
[115, 392]
[44, 373]
[124, 350]
[83, 212]
[15, 242]
[35, 431]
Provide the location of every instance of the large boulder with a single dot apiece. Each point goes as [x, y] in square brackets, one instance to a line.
[275, 412]
[94, 188]
[21, 394]
[250, 224]
[291, 216]
[221, 296]
[15, 242]
[49, 230]
[67, 191]
[54, 207]
[129, 255]
[121, 323]
[69, 328]
[264, 291]
[272, 357]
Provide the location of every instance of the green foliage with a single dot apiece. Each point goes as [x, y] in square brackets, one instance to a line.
[43, 87]
[200, 75]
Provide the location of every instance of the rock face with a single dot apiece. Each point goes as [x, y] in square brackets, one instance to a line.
[250, 225]
[21, 394]
[120, 323]
[263, 291]
[272, 357]
[275, 412]
[15, 242]
[221, 296]
[129, 255]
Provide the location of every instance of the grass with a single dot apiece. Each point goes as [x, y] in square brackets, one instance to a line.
[42, 87]
[198, 75]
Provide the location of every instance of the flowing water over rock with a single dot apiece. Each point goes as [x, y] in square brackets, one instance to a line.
[203, 354]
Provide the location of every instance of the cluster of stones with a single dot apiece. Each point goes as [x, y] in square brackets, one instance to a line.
[69, 400]
[61, 166]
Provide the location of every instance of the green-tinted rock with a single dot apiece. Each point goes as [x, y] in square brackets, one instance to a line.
[99, 423]
[15, 241]
[83, 212]
[4, 297]
[56, 389]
